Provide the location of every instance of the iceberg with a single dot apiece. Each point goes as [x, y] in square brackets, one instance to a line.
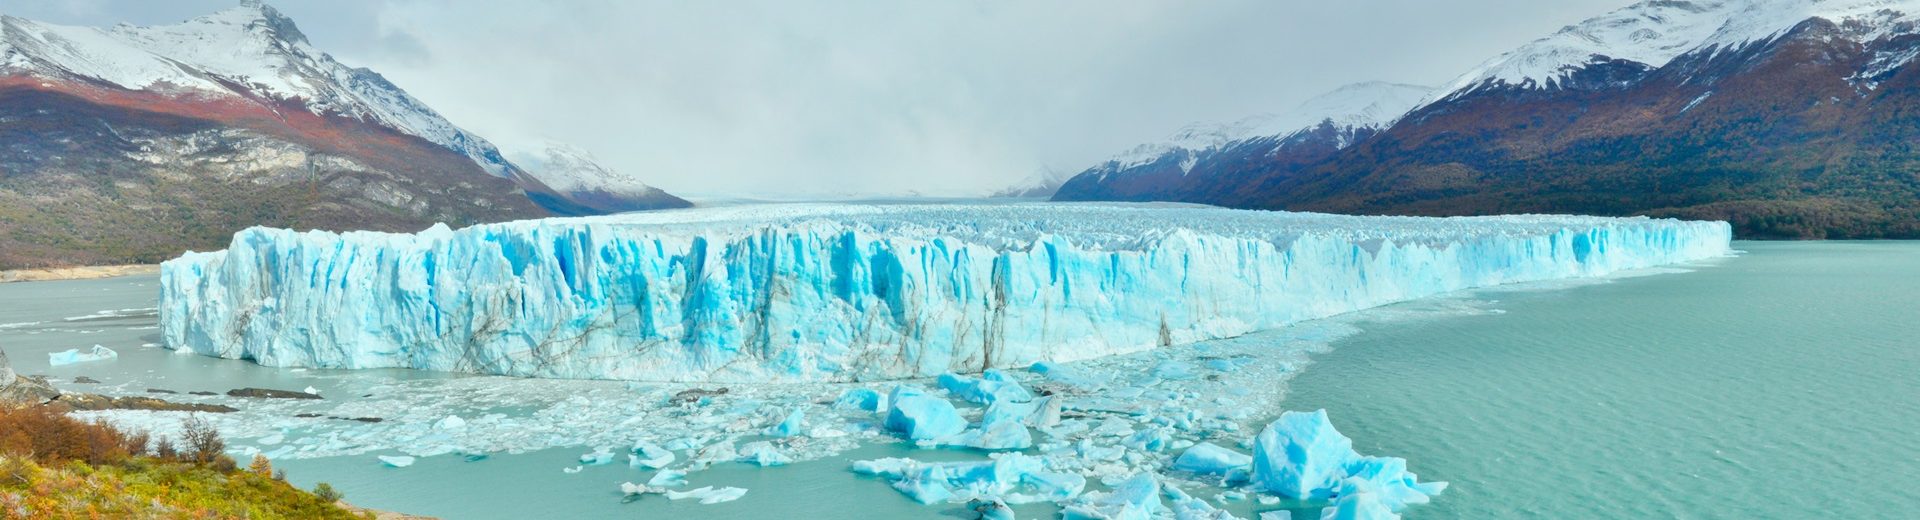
[919, 416]
[863, 399]
[851, 292]
[649, 455]
[1358, 500]
[709, 494]
[71, 356]
[790, 426]
[1012, 477]
[396, 461]
[1302, 456]
[1136, 499]
[991, 386]
[1207, 458]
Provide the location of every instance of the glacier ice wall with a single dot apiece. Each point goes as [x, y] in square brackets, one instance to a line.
[850, 292]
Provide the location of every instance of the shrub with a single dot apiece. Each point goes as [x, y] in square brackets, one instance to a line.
[326, 492]
[50, 437]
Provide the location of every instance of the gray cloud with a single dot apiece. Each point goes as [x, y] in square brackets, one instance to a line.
[808, 98]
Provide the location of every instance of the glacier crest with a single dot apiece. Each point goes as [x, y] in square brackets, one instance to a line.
[837, 292]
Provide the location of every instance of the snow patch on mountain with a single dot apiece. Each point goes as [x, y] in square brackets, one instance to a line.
[571, 169]
[250, 51]
[1369, 105]
[1655, 32]
[1040, 184]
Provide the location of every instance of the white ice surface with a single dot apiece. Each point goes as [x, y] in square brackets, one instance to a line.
[840, 292]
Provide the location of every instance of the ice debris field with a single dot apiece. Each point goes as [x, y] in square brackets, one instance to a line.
[849, 292]
[1176, 432]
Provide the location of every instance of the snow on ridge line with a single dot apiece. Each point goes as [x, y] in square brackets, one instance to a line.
[850, 292]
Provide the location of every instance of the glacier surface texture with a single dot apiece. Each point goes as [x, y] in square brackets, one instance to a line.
[836, 292]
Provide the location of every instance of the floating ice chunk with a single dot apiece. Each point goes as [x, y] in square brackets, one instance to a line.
[648, 455]
[1389, 481]
[722, 451]
[1302, 456]
[272, 439]
[396, 461]
[790, 426]
[1151, 439]
[1136, 499]
[920, 416]
[312, 390]
[667, 478]
[629, 488]
[573, 470]
[1013, 477]
[451, 422]
[1002, 435]
[1071, 376]
[709, 495]
[825, 431]
[71, 356]
[993, 385]
[1187, 507]
[763, 453]
[599, 457]
[863, 399]
[1090, 451]
[1173, 370]
[1207, 458]
[1358, 501]
[1002, 427]
[992, 509]
[1046, 413]
[1277, 515]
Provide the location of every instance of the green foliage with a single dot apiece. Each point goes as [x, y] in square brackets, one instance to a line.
[326, 492]
[53, 466]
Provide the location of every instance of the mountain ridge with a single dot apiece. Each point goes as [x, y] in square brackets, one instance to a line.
[1798, 132]
[129, 143]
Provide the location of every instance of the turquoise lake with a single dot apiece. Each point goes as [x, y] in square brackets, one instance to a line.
[1781, 383]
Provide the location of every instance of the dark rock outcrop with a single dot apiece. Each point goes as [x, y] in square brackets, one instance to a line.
[269, 393]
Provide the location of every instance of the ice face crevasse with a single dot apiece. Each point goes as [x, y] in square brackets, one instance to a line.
[850, 292]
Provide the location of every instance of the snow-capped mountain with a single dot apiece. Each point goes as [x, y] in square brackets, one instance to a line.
[1652, 34]
[574, 172]
[1788, 118]
[176, 135]
[1319, 126]
[249, 52]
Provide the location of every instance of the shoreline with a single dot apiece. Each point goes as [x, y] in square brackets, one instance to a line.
[76, 273]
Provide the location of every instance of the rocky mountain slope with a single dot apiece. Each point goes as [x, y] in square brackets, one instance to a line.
[1788, 118]
[128, 144]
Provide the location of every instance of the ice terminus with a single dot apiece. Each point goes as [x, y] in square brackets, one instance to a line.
[841, 292]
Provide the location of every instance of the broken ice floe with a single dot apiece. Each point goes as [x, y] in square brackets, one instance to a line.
[71, 356]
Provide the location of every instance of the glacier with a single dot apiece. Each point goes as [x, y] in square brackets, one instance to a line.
[851, 292]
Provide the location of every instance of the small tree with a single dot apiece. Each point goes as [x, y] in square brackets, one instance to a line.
[203, 442]
[261, 466]
[326, 492]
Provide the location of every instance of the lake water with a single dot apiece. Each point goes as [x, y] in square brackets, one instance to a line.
[1783, 383]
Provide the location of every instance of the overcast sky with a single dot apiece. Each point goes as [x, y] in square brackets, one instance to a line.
[802, 98]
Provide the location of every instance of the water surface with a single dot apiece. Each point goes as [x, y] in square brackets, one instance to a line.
[1783, 383]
